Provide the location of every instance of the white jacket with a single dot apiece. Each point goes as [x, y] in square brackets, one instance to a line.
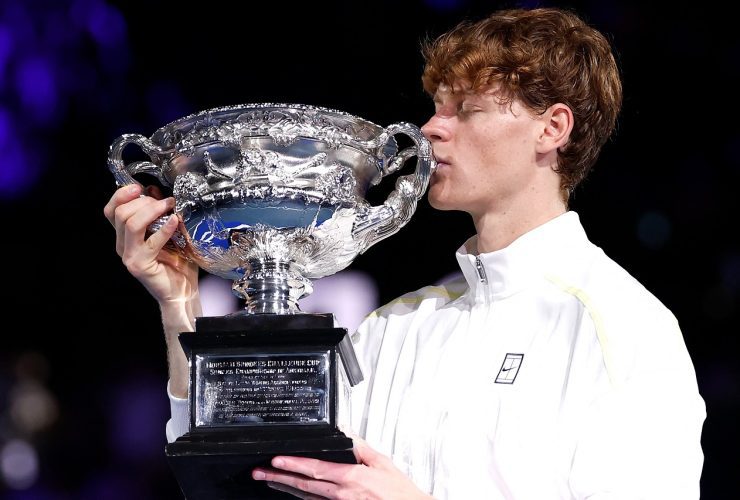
[548, 373]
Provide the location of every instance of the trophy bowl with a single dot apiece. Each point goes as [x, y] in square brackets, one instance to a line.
[273, 195]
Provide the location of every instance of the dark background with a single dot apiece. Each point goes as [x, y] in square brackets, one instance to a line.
[82, 359]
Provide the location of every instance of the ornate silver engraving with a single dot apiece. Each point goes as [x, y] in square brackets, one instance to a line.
[272, 195]
[337, 184]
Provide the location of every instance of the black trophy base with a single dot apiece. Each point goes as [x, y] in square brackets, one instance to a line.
[223, 470]
[261, 386]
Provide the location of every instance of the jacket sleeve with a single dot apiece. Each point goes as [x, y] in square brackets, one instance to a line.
[178, 423]
[641, 439]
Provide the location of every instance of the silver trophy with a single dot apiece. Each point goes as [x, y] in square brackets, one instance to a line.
[271, 196]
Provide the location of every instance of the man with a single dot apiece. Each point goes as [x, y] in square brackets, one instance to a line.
[548, 372]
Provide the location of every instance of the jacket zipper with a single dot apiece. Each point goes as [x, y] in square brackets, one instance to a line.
[481, 271]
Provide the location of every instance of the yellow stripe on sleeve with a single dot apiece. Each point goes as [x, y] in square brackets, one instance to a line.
[418, 298]
[595, 317]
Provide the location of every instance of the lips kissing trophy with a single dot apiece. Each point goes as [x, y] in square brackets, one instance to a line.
[271, 196]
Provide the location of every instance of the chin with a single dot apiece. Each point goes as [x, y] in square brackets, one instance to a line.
[439, 201]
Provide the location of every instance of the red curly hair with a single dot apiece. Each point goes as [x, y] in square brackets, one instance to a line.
[539, 57]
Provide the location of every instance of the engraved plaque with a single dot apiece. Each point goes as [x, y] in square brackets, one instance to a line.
[264, 388]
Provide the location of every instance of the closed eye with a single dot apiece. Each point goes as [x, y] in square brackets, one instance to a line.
[468, 109]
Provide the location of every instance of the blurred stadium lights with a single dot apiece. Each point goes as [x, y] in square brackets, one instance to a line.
[349, 295]
[19, 464]
[31, 408]
[45, 70]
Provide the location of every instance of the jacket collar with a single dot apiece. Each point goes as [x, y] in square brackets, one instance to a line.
[547, 248]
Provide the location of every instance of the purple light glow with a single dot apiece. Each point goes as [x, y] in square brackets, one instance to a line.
[19, 21]
[35, 492]
[166, 102]
[110, 485]
[15, 176]
[56, 31]
[45, 67]
[445, 5]
[6, 129]
[529, 4]
[216, 296]
[37, 88]
[349, 295]
[106, 24]
[6, 47]
[17, 170]
[140, 412]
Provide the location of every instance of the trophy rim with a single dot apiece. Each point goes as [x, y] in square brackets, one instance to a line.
[223, 110]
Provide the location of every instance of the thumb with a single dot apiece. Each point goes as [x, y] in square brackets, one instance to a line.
[158, 239]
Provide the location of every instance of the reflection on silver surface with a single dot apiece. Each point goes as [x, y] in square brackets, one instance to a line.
[273, 195]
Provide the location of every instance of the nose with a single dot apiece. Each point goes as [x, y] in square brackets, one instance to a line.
[435, 130]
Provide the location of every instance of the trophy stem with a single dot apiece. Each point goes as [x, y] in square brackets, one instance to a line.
[271, 287]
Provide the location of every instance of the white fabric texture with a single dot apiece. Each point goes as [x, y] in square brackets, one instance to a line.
[179, 420]
[604, 403]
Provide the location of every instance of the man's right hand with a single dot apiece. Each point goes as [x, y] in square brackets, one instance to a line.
[169, 277]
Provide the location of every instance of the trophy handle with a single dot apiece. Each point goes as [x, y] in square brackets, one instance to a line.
[124, 173]
[384, 220]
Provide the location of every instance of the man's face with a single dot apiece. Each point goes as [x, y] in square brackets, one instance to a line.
[485, 150]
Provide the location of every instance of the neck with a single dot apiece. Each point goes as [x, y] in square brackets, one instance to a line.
[497, 229]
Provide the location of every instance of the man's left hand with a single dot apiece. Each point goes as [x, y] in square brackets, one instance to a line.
[374, 477]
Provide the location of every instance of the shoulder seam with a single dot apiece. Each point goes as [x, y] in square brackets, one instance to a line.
[601, 334]
[418, 297]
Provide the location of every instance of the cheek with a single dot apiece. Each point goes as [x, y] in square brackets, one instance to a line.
[481, 158]
[482, 144]
[471, 149]
[498, 148]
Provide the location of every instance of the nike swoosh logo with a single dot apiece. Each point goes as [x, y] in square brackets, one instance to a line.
[507, 369]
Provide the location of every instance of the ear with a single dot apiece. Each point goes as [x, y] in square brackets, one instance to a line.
[557, 123]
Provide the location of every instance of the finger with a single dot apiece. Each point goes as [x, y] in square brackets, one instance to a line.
[125, 227]
[121, 196]
[137, 225]
[296, 481]
[293, 491]
[156, 241]
[366, 454]
[122, 214]
[137, 215]
[313, 468]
